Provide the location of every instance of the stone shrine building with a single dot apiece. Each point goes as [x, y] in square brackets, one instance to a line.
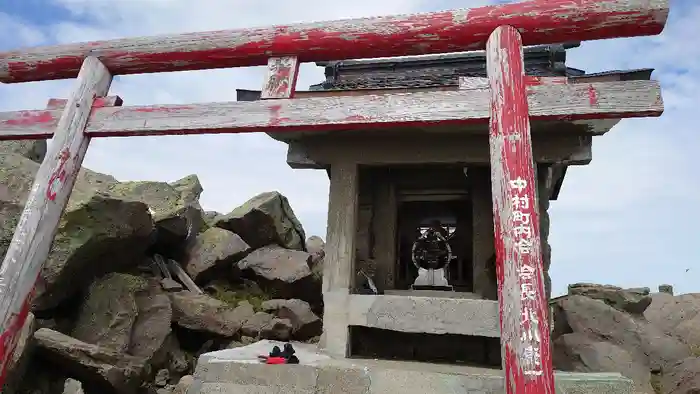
[409, 271]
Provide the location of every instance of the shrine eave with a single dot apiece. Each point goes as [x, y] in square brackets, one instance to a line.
[558, 170]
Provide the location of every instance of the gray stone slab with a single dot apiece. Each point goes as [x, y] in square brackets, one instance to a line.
[431, 315]
[234, 371]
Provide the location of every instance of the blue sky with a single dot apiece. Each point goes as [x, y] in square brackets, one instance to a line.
[629, 218]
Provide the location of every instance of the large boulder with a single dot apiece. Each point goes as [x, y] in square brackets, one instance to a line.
[282, 273]
[633, 301]
[16, 177]
[263, 220]
[125, 313]
[206, 314]
[175, 207]
[107, 316]
[263, 325]
[682, 378]
[678, 316]
[579, 353]
[17, 174]
[98, 234]
[212, 250]
[317, 249]
[101, 370]
[152, 327]
[278, 329]
[34, 150]
[647, 344]
[190, 189]
[305, 323]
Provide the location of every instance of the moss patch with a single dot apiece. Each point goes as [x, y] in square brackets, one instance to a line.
[232, 296]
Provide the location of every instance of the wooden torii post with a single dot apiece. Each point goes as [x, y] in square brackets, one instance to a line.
[508, 100]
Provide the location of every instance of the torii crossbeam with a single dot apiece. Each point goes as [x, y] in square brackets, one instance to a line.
[507, 100]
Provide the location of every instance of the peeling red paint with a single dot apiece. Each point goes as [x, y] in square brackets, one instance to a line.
[540, 22]
[526, 357]
[531, 80]
[548, 102]
[275, 119]
[29, 118]
[9, 337]
[109, 101]
[58, 177]
[592, 96]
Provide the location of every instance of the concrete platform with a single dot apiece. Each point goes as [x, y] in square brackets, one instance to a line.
[237, 371]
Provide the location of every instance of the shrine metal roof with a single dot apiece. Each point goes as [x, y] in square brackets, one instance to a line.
[435, 70]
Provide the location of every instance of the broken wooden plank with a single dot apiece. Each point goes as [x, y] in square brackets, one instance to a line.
[281, 78]
[526, 354]
[180, 273]
[603, 100]
[48, 197]
[160, 263]
[540, 22]
[167, 282]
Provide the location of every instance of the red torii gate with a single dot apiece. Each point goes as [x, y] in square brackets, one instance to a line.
[507, 100]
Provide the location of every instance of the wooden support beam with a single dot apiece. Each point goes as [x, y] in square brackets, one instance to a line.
[525, 345]
[568, 102]
[480, 83]
[339, 262]
[371, 149]
[48, 197]
[540, 22]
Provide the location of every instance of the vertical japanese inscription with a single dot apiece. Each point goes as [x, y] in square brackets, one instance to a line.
[281, 77]
[522, 236]
[523, 306]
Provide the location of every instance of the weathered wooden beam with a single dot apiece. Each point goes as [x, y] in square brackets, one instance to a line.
[177, 269]
[525, 347]
[339, 261]
[621, 99]
[540, 22]
[42, 211]
[371, 149]
[479, 83]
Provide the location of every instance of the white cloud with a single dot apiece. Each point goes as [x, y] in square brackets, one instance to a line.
[627, 219]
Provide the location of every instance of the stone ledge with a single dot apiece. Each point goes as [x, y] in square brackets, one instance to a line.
[431, 315]
[233, 378]
[235, 371]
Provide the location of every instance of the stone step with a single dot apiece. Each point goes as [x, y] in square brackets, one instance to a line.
[235, 371]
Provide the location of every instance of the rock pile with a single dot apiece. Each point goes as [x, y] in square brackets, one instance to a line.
[653, 339]
[140, 281]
